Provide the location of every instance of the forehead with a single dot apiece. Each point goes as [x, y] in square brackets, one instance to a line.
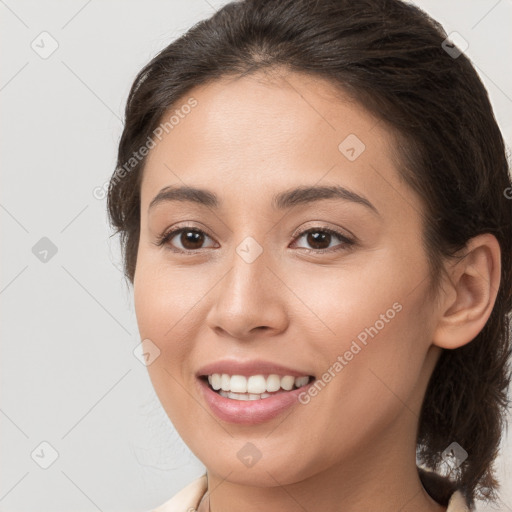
[264, 132]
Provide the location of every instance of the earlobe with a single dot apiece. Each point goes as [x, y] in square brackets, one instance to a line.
[473, 288]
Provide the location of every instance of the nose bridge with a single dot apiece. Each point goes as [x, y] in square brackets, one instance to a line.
[249, 296]
[250, 250]
[249, 269]
[250, 242]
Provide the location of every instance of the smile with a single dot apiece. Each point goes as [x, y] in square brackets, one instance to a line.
[254, 387]
[251, 408]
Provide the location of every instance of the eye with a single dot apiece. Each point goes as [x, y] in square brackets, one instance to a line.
[190, 239]
[320, 239]
[186, 239]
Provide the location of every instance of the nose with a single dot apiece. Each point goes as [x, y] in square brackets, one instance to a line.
[250, 300]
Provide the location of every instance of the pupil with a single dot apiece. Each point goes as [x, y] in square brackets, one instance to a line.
[316, 238]
[190, 239]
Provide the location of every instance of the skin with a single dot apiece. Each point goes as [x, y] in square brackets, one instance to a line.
[354, 443]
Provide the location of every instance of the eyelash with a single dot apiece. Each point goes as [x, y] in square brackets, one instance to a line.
[347, 242]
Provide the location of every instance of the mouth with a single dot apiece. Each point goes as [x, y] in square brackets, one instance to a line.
[253, 391]
[254, 387]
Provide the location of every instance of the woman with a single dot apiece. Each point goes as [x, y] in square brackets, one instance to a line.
[312, 201]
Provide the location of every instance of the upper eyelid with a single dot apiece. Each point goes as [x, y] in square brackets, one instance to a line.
[320, 225]
[336, 231]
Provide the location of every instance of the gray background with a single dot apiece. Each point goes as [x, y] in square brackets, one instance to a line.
[68, 373]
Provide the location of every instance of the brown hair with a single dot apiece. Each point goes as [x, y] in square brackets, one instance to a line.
[389, 56]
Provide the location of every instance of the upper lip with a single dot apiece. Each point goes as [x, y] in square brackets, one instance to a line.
[248, 368]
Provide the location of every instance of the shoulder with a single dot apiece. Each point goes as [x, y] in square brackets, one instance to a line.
[187, 498]
[444, 491]
[458, 503]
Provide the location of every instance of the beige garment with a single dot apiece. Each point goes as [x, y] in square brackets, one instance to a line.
[188, 498]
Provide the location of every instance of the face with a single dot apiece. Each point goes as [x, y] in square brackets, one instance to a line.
[328, 283]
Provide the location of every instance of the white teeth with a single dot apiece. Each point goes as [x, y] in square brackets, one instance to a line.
[238, 384]
[243, 396]
[225, 382]
[273, 383]
[287, 382]
[216, 381]
[255, 386]
[301, 381]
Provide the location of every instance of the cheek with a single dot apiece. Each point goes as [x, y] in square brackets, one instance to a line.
[170, 313]
[372, 297]
[161, 313]
[347, 299]
[165, 295]
[366, 388]
[373, 343]
[158, 313]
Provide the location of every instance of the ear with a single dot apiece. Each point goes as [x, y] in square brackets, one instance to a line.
[467, 300]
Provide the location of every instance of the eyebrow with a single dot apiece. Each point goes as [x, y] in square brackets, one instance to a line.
[283, 200]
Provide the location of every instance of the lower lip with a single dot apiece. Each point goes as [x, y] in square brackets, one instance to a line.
[249, 412]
